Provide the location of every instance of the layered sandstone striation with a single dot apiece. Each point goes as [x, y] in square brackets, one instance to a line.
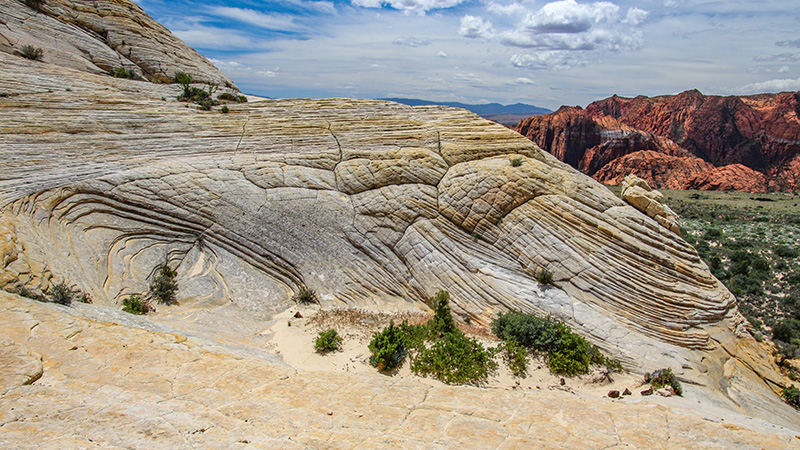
[101, 37]
[368, 203]
[685, 141]
[365, 202]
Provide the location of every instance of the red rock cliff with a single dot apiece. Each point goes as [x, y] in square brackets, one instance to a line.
[684, 141]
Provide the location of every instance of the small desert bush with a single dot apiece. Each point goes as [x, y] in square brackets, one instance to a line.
[662, 378]
[455, 359]
[305, 296]
[228, 97]
[791, 395]
[31, 52]
[442, 321]
[135, 305]
[388, 348]
[515, 356]
[224, 110]
[61, 294]
[544, 276]
[164, 284]
[567, 352]
[516, 162]
[437, 348]
[121, 72]
[327, 341]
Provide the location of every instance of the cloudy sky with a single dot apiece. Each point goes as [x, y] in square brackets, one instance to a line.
[545, 53]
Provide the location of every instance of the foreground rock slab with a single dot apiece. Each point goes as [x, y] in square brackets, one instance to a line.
[108, 385]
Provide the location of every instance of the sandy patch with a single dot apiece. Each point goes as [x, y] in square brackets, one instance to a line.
[293, 339]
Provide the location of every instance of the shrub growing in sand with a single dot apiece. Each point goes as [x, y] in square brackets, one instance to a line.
[327, 341]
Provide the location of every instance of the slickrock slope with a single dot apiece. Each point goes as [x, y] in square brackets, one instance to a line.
[100, 37]
[366, 202]
[685, 141]
[112, 386]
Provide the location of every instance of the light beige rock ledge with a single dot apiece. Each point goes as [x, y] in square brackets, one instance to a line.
[110, 386]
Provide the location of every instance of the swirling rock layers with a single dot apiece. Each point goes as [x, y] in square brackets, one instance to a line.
[365, 202]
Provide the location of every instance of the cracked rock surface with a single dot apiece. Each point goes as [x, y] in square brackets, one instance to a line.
[108, 385]
[368, 203]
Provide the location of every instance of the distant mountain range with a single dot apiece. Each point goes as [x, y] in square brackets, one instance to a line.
[504, 114]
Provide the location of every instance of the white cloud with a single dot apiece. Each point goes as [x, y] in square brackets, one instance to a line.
[635, 17]
[198, 36]
[523, 80]
[409, 6]
[408, 41]
[548, 60]
[511, 10]
[279, 22]
[568, 16]
[794, 43]
[441, 55]
[771, 86]
[562, 26]
[475, 27]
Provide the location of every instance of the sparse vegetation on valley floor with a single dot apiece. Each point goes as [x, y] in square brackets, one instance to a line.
[751, 242]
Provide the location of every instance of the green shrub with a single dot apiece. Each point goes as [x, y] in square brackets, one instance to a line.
[305, 296]
[537, 333]
[388, 349]
[573, 355]
[567, 352]
[61, 294]
[516, 162]
[515, 356]
[442, 322]
[664, 377]
[786, 330]
[164, 285]
[224, 110]
[791, 395]
[31, 52]
[121, 72]
[135, 305]
[786, 252]
[227, 96]
[455, 359]
[185, 80]
[544, 276]
[327, 341]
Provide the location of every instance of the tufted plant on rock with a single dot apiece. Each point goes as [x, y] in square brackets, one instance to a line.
[164, 285]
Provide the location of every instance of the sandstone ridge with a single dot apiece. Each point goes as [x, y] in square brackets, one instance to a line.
[100, 37]
[368, 203]
[684, 141]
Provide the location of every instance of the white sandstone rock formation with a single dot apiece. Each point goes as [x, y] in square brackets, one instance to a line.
[365, 202]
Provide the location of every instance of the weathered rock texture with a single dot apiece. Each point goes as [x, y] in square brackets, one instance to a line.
[365, 202]
[100, 37]
[685, 141]
[113, 386]
[638, 193]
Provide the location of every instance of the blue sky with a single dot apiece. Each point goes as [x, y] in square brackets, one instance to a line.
[545, 53]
